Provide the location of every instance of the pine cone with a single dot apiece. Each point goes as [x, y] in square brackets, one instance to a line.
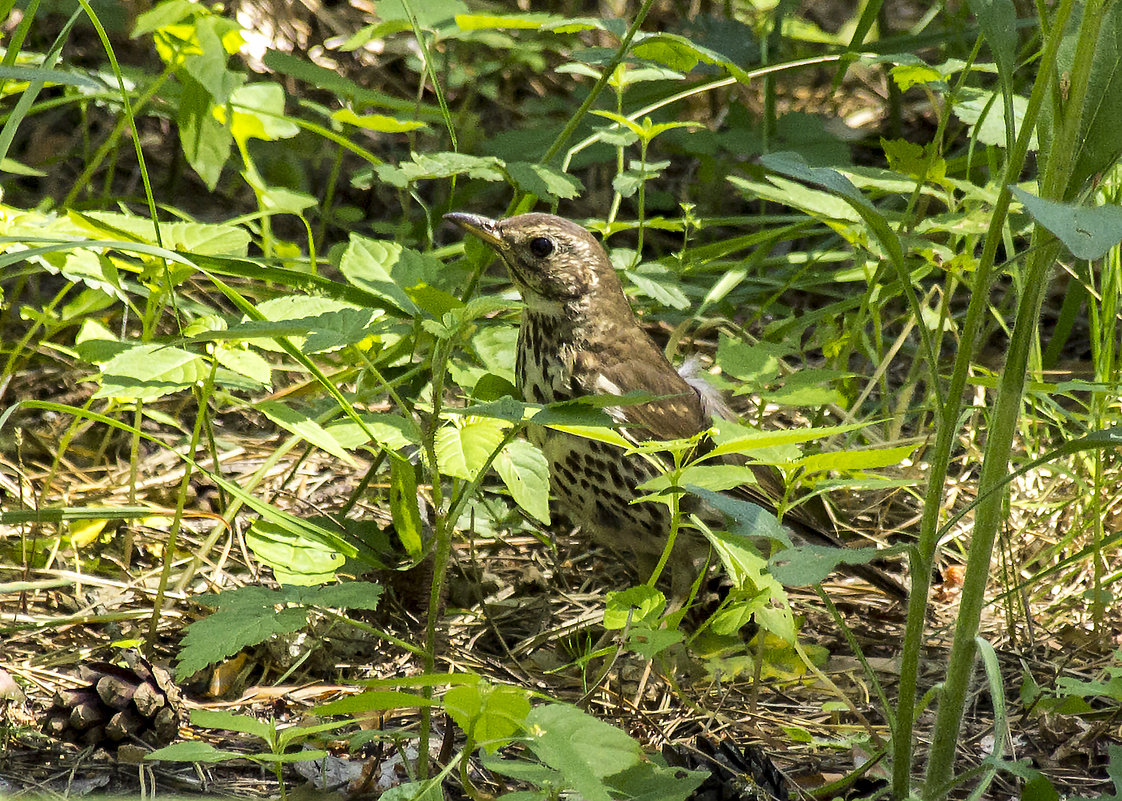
[117, 704]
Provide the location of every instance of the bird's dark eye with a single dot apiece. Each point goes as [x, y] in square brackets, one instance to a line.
[541, 246]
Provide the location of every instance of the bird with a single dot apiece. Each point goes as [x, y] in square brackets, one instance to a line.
[579, 337]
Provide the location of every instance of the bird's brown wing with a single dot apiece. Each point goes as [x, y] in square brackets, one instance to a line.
[679, 413]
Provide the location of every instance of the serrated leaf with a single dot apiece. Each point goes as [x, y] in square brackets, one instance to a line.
[244, 362]
[258, 113]
[490, 714]
[544, 181]
[403, 504]
[146, 372]
[462, 450]
[224, 633]
[524, 469]
[642, 604]
[390, 431]
[811, 564]
[855, 459]
[305, 427]
[440, 165]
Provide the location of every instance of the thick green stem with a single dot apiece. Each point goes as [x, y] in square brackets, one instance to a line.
[1003, 422]
[947, 426]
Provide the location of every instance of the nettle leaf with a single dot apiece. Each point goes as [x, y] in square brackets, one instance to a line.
[543, 181]
[258, 113]
[851, 460]
[440, 165]
[657, 282]
[305, 427]
[524, 469]
[1087, 231]
[245, 621]
[244, 362]
[390, 431]
[803, 565]
[312, 324]
[462, 450]
[88, 267]
[757, 364]
[146, 372]
[388, 269]
[642, 604]
[209, 239]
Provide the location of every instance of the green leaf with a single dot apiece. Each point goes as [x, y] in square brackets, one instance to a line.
[489, 714]
[191, 751]
[543, 181]
[440, 165]
[642, 604]
[376, 122]
[230, 721]
[387, 269]
[373, 701]
[391, 431]
[747, 519]
[146, 372]
[295, 557]
[1087, 231]
[403, 504]
[462, 450]
[583, 749]
[305, 427]
[482, 22]
[244, 362]
[312, 324]
[429, 13]
[803, 565]
[206, 142]
[971, 104]
[523, 468]
[247, 622]
[855, 459]
[258, 113]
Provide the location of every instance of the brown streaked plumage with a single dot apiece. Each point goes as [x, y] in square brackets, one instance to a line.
[579, 337]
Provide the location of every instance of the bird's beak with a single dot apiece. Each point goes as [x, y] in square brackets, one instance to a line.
[483, 227]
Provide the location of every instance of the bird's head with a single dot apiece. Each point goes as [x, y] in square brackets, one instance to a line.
[551, 259]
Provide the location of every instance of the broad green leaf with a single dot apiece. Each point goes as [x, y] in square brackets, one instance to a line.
[429, 13]
[258, 113]
[303, 426]
[191, 751]
[224, 633]
[990, 129]
[146, 372]
[715, 477]
[546, 182]
[206, 142]
[803, 565]
[81, 265]
[403, 504]
[313, 324]
[230, 721]
[391, 431]
[642, 604]
[244, 362]
[525, 471]
[747, 520]
[758, 363]
[583, 748]
[462, 450]
[387, 269]
[212, 239]
[1087, 231]
[490, 714]
[295, 559]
